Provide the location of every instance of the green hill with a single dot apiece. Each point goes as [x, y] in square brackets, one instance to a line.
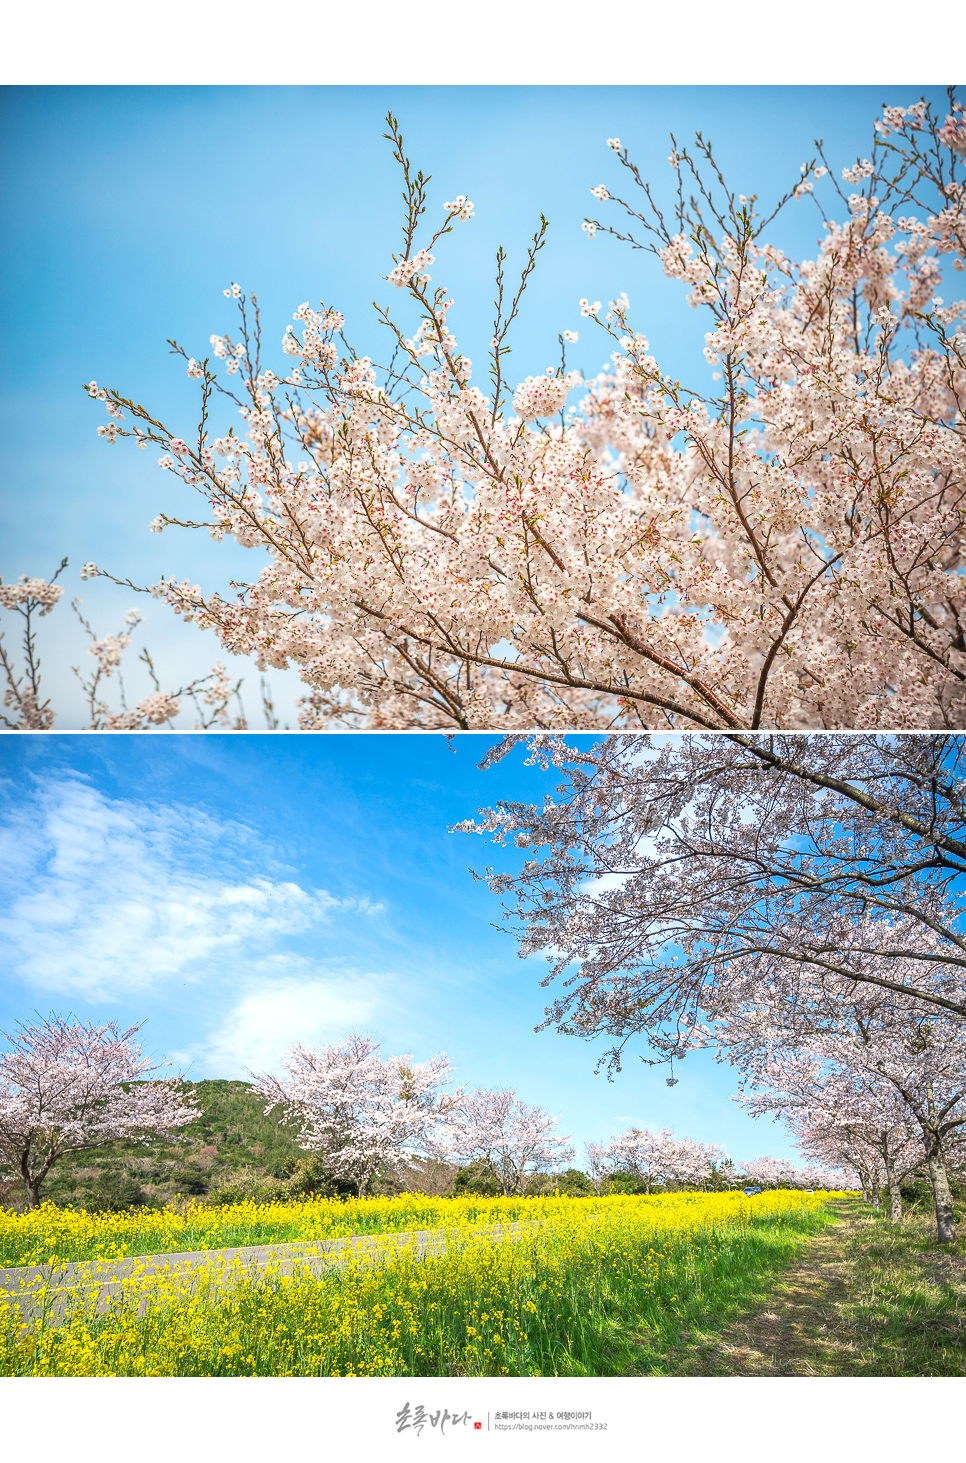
[234, 1150]
[232, 1145]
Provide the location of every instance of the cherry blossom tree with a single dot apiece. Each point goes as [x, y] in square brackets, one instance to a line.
[779, 1173]
[636, 1151]
[766, 1172]
[363, 1112]
[26, 708]
[676, 878]
[507, 1138]
[842, 1119]
[66, 1087]
[924, 1064]
[599, 1163]
[782, 549]
[868, 1048]
[871, 1147]
[663, 1158]
[781, 897]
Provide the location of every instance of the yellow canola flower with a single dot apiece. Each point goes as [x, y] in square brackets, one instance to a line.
[52, 1235]
[511, 1304]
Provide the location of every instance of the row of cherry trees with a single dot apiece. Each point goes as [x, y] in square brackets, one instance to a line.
[662, 1159]
[783, 548]
[364, 1114]
[794, 901]
[878, 1086]
[67, 1087]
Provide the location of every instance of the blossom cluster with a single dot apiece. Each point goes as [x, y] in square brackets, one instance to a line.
[787, 553]
[24, 706]
[365, 1112]
[543, 396]
[23, 591]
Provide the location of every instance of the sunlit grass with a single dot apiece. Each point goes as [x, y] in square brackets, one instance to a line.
[906, 1311]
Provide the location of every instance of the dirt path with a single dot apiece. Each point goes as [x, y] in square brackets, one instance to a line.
[796, 1332]
[861, 1299]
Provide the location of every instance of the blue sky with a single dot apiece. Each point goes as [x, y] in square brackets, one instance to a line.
[237, 894]
[129, 209]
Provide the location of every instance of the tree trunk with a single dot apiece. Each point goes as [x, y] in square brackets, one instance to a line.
[31, 1181]
[895, 1197]
[938, 1177]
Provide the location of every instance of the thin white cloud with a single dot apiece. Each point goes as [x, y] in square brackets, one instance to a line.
[603, 883]
[105, 897]
[273, 1014]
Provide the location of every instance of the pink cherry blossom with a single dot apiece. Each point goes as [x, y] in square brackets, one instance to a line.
[438, 551]
[510, 1139]
[64, 1088]
[25, 708]
[363, 1112]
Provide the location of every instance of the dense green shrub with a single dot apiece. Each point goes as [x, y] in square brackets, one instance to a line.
[477, 1178]
[115, 1190]
[574, 1183]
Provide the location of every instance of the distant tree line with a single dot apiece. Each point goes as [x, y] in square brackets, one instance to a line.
[82, 1124]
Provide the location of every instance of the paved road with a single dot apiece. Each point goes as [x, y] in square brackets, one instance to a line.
[44, 1289]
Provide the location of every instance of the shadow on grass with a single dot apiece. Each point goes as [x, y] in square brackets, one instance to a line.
[862, 1298]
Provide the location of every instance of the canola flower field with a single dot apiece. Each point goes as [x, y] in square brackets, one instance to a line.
[597, 1289]
[48, 1234]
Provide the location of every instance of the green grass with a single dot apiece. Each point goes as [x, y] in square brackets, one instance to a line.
[710, 1296]
[863, 1298]
[906, 1307]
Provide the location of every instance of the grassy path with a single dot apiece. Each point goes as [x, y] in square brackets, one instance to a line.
[863, 1298]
